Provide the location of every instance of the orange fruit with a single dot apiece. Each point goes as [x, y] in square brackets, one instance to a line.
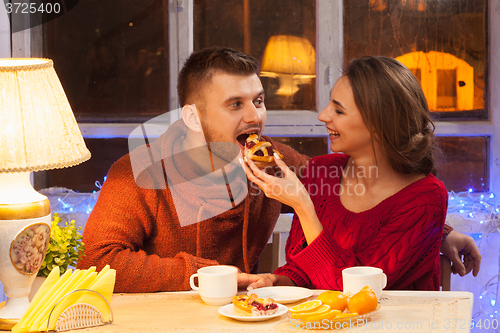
[363, 302]
[346, 315]
[306, 306]
[306, 314]
[336, 299]
[326, 315]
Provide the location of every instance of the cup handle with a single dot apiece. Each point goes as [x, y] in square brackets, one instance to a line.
[191, 281]
[384, 280]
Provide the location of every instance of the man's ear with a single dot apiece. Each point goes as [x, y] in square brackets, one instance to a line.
[191, 118]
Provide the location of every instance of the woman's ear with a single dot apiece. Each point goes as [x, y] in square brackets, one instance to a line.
[191, 118]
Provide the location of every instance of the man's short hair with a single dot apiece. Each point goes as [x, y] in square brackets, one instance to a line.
[201, 66]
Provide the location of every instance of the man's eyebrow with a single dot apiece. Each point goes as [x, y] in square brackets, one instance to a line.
[235, 98]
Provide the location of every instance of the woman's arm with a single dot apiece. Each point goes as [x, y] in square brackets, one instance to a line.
[290, 191]
[404, 246]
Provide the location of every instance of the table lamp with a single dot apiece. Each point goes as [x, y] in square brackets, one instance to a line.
[292, 59]
[38, 131]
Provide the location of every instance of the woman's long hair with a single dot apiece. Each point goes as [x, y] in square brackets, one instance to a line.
[394, 109]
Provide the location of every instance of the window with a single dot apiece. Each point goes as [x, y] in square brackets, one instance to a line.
[444, 43]
[445, 40]
[112, 59]
[462, 164]
[282, 37]
[159, 35]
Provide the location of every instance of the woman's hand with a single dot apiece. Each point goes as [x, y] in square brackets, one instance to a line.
[288, 189]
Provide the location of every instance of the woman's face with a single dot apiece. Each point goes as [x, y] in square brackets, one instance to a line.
[347, 130]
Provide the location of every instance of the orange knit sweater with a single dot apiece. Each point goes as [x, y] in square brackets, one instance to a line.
[137, 230]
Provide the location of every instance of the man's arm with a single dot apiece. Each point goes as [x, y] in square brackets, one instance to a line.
[118, 230]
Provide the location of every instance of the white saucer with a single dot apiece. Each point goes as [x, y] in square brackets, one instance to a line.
[282, 295]
[229, 311]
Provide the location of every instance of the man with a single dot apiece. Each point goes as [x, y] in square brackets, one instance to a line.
[159, 217]
[138, 230]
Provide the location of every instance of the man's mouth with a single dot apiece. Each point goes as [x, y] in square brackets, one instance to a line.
[242, 138]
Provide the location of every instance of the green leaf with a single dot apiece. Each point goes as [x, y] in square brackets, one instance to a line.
[65, 246]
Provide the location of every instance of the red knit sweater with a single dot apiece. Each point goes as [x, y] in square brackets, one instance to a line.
[137, 230]
[401, 235]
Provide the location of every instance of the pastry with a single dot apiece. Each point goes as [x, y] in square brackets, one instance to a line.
[260, 152]
[252, 305]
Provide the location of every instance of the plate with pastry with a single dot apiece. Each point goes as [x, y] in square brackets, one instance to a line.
[283, 294]
[260, 152]
[252, 308]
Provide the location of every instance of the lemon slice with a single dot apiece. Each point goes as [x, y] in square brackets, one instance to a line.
[326, 315]
[304, 315]
[306, 306]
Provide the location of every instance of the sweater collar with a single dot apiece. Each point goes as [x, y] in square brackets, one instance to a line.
[198, 196]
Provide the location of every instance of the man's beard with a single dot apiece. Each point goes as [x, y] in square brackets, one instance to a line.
[223, 152]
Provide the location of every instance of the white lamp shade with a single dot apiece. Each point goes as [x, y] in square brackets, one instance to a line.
[38, 130]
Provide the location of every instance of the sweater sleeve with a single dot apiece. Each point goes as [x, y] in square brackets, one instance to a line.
[119, 225]
[409, 238]
[446, 231]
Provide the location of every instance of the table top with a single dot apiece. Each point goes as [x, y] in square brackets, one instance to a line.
[404, 311]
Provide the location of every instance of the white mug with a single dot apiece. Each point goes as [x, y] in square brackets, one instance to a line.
[355, 278]
[217, 284]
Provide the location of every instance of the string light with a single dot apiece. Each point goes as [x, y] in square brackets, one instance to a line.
[472, 206]
[486, 210]
[72, 201]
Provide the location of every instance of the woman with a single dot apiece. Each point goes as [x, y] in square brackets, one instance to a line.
[376, 204]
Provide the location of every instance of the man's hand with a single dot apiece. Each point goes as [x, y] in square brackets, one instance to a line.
[457, 247]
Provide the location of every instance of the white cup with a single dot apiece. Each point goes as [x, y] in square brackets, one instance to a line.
[355, 278]
[217, 284]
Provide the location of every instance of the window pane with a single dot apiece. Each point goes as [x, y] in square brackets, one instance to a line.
[464, 163]
[440, 41]
[112, 58]
[82, 177]
[280, 35]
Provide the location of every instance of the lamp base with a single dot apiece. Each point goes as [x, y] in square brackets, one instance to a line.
[8, 324]
[23, 244]
[24, 237]
[13, 307]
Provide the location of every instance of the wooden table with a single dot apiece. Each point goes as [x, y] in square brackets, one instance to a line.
[400, 311]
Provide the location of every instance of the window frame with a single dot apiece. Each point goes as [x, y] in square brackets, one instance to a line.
[5, 34]
[329, 41]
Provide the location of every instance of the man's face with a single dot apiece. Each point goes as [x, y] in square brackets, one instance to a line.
[233, 109]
